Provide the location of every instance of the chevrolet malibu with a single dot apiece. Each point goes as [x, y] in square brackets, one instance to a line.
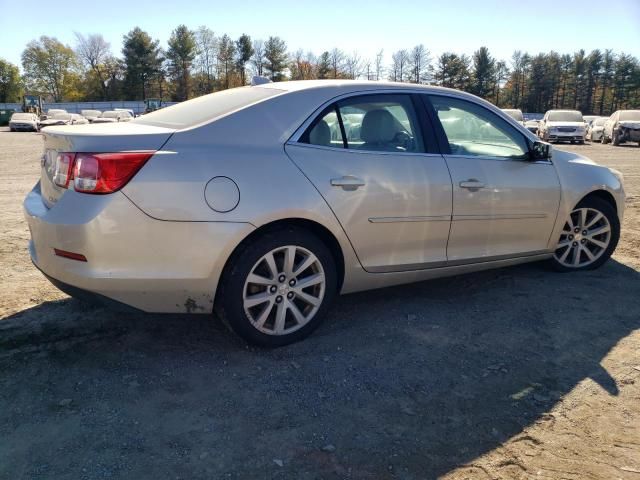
[262, 203]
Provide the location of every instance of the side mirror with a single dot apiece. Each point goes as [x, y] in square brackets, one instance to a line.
[539, 151]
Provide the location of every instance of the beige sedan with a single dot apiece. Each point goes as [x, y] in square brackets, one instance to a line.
[262, 203]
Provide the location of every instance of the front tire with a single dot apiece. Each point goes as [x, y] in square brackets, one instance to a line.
[588, 238]
[277, 289]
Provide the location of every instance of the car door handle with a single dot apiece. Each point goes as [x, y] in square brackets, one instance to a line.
[472, 184]
[348, 182]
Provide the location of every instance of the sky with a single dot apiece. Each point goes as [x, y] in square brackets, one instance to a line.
[460, 26]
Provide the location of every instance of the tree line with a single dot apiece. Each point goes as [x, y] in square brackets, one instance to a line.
[197, 62]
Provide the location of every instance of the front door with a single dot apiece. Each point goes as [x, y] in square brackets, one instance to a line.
[366, 156]
[504, 205]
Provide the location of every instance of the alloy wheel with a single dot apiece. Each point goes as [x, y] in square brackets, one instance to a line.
[284, 290]
[585, 237]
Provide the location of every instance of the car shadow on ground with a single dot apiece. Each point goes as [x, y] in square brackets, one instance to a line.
[405, 382]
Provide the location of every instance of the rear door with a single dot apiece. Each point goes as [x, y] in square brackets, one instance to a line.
[503, 204]
[383, 178]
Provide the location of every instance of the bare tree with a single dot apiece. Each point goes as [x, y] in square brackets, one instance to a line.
[206, 58]
[353, 66]
[94, 52]
[379, 64]
[419, 63]
[258, 58]
[336, 60]
[400, 61]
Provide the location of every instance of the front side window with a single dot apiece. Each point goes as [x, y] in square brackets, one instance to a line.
[476, 131]
[377, 123]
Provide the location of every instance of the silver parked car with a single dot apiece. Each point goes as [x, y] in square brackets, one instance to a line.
[264, 202]
[622, 126]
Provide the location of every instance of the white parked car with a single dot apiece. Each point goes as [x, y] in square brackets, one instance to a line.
[622, 126]
[588, 119]
[63, 119]
[23, 121]
[562, 125]
[596, 129]
[131, 112]
[516, 114]
[90, 115]
[532, 126]
[52, 112]
[113, 116]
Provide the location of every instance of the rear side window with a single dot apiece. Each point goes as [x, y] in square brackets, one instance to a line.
[377, 123]
[208, 107]
[325, 131]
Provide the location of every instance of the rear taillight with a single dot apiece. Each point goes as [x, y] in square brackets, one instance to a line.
[98, 172]
[62, 169]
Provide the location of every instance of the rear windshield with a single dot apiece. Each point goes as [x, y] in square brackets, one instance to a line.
[515, 114]
[565, 117]
[630, 115]
[22, 116]
[207, 107]
[599, 121]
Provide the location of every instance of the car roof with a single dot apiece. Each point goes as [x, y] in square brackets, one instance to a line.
[351, 85]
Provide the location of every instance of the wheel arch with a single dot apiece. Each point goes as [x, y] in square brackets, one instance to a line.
[602, 194]
[319, 230]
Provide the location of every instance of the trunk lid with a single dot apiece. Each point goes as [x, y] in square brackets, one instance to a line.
[93, 138]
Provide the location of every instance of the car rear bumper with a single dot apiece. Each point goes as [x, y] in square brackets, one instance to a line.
[148, 264]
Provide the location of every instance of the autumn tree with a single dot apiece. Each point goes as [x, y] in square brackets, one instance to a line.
[10, 82]
[50, 66]
[95, 54]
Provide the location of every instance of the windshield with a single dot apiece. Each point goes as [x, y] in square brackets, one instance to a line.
[630, 115]
[90, 113]
[598, 122]
[54, 111]
[515, 114]
[110, 115]
[207, 107]
[565, 116]
[22, 116]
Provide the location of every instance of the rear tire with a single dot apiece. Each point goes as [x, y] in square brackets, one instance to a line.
[261, 295]
[589, 237]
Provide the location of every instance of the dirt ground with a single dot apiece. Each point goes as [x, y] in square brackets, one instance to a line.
[518, 373]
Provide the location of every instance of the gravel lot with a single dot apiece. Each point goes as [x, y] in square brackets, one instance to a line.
[516, 373]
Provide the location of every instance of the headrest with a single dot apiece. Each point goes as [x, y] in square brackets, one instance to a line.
[320, 134]
[378, 126]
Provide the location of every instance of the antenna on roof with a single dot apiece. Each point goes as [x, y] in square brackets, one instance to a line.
[258, 80]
